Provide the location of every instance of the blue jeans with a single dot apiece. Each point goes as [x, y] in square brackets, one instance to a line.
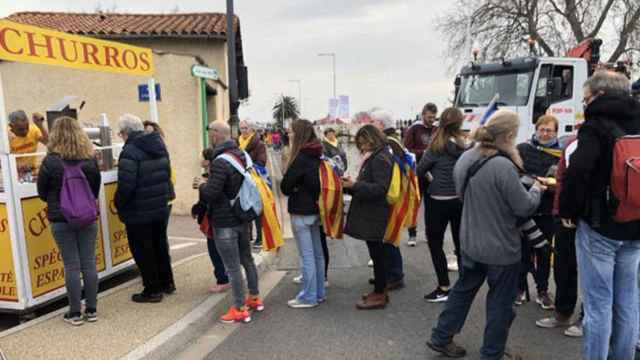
[78, 250]
[394, 272]
[608, 271]
[235, 251]
[503, 289]
[218, 266]
[306, 230]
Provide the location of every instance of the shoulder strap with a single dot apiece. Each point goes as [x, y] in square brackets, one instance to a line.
[236, 163]
[473, 169]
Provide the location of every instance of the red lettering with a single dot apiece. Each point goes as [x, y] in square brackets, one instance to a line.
[145, 64]
[90, 50]
[125, 59]
[63, 50]
[111, 54]
[3, 41]
[33, 45]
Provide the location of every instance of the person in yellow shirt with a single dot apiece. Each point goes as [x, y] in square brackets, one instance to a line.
[24, 138]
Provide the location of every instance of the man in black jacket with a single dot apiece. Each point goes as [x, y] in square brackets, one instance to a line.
[142, 197]
[231, 234]
[608, 252]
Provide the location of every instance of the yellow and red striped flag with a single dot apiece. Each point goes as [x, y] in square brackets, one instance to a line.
[271, 232]
[404, 213]
[331, 203]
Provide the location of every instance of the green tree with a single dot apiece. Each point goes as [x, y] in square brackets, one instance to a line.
[286, 107]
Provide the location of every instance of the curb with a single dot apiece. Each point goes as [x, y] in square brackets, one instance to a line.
[101, 295]
[212, 304]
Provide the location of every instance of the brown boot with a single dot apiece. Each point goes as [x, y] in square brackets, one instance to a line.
[366, 295]
[373, 301]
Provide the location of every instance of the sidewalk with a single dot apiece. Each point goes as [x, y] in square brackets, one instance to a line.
[123, 325]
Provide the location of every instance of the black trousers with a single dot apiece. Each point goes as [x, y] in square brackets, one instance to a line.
[325, 251]
[565, 271]
[380, 265]
[439, 214]
[150, 249]
[538, 261]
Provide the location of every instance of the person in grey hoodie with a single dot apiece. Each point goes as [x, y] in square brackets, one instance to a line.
[443, 206]
[494, 199]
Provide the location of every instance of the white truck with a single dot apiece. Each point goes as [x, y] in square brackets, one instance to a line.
[530, 86]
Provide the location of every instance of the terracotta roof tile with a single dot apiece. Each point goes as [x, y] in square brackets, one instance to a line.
[129, 25]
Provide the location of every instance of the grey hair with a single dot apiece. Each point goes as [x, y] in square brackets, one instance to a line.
[17, 115]
[383, 117]
[129, 123]
[607, 81]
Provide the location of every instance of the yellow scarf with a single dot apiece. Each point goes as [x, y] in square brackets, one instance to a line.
[244, 141]
[333, 143]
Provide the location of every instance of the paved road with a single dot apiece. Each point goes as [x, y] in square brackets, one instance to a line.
[336, 330]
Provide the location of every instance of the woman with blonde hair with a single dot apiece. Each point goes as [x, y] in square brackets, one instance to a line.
[70, 150]
[488, 182]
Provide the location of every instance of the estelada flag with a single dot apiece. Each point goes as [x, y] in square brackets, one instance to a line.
[271, 232]
[404, 212]
[331, 203]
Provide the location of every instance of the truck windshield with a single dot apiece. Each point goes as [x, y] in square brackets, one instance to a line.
[479, 89]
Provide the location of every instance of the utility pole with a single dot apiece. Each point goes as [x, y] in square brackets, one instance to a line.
[299, 82]
[234, 103]
[333, 57]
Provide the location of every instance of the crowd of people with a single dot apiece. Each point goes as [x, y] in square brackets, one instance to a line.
[509, 207]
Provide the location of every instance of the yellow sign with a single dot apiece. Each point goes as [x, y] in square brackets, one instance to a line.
[25, 43]
[45, 260]
[8, 290]
[120, 251]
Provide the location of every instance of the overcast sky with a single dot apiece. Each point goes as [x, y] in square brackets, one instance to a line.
[388, 53]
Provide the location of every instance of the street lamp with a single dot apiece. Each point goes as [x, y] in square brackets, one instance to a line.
[299, 82]
[333, 56]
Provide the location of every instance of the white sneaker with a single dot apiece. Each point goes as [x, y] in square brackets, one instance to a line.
[297, 279]
[574, 331]
[452, 266]
[412, 241]
[297, 304]
[370, 263]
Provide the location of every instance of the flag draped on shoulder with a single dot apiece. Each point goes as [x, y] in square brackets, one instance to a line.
[271, 232]
[331, 203]
[404, 212]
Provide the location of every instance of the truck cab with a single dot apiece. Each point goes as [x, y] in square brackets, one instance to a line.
[530, 86]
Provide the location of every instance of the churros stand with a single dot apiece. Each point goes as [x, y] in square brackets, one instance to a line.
[31, 268]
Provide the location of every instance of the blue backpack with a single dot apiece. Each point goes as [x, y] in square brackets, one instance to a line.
[77, 202]
[247, 205]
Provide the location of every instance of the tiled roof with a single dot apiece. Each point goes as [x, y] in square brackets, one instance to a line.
[130, 25]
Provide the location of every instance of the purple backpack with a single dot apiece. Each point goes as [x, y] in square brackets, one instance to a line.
[77, 203]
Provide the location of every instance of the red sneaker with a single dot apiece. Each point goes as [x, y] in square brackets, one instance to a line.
[254, 304]
[236, 315]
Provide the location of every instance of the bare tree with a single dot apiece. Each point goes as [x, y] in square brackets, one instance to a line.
[505, 28]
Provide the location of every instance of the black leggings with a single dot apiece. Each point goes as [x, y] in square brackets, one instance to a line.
[380, 265]
[438, 214]
[325, 252]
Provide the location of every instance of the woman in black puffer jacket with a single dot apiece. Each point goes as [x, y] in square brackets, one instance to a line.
[369, 210]
[69, 146]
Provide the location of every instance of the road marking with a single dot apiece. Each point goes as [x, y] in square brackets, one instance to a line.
[191, 239]
[182, 246]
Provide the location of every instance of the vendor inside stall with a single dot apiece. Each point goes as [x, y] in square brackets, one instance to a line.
[24, 138]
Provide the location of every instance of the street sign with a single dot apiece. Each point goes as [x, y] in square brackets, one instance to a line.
[143, 92]
[204, 72]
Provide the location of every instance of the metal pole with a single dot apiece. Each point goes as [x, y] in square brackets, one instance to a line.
[333, 55]
[232, 71]
[4, 146]
[153, 102]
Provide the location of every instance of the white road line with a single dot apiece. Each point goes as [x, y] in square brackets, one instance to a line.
[190, 239]
[182, 246]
